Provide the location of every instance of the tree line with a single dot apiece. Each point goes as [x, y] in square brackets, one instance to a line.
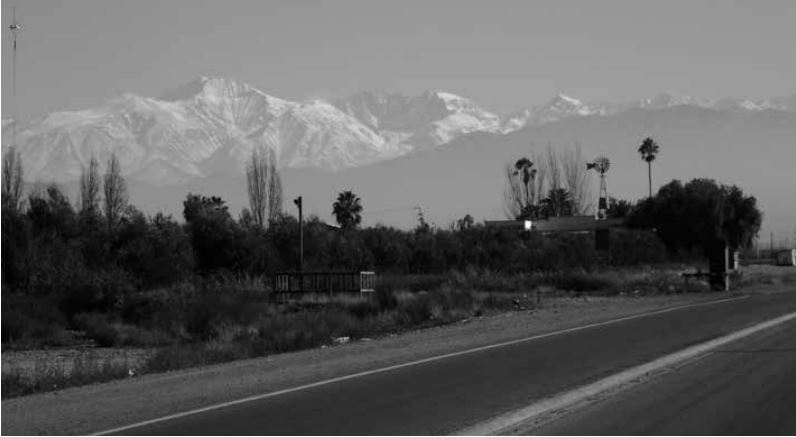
[102, 245]
[51, 245]
[688, 218]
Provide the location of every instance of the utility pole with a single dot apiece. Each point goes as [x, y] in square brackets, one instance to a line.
[771, 242]
[14, 27]
[298, 203]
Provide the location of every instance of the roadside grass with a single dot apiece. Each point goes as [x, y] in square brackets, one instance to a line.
[317, 321]
[767, 274]
[49, 373]
[226, 319]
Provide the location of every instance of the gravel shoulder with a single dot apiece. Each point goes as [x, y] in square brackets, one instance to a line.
[88, 409]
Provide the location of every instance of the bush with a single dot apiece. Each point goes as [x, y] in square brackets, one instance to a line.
[574, 281]
[391, 283]
[32, 321]
[634, 247]
[98, 328]
[106, 331]
[19, 328]
[100, 291]
[386, 300]
[156, 252]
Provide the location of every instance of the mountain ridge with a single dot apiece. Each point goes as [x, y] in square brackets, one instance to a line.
[210, 125]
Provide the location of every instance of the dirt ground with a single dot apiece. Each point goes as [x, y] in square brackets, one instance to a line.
[93, 408]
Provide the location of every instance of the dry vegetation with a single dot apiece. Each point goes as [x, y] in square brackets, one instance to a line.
[225, 321]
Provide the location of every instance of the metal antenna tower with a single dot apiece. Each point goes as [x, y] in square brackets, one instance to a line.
[14, 27]
[603, 202]
[601, 166]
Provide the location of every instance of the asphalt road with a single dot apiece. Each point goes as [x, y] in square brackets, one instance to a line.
[745, 388]
[442, 396]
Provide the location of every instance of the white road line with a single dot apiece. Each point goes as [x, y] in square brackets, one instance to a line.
[517, 421]
[409, 364]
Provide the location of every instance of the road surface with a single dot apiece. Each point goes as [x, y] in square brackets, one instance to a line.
[443, 396]
[747, 387]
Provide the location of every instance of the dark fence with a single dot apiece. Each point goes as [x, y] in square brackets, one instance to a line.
[325, 282]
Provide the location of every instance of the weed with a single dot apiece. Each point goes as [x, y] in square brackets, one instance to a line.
[48, 375]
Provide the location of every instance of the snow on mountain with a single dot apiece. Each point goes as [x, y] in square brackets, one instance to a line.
[205, 127]
[785, 103]
[558, 108]
[671, 99]
[735, 104]
[668, 100]
[428, 120]
[561, 107]
[209, 126]
[518, 120]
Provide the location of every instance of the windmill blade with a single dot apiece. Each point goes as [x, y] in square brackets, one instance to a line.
[14, 26]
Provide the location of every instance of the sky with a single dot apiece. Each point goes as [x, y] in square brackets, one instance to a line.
[505, 54]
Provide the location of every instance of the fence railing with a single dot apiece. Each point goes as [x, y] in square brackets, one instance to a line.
[325, 282]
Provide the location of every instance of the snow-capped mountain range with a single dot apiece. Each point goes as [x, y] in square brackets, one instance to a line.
[210, 126]
[425, 121]
[561, 107]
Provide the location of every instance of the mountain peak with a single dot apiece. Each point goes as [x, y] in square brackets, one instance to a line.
[456, 103]
[432, 118]
[444, 95]
[564, 105]
[557, 108]
[565, 98]
[668, 99]
[213, 87]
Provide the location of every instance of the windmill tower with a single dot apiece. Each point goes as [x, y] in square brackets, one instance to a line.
[14, 27]
[601, 166]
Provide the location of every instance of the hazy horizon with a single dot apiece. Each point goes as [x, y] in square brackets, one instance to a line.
[506, 58]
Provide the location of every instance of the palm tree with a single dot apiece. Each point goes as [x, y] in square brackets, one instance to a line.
[558, 203]
[347, 210]
[524, 169]
[649, 150]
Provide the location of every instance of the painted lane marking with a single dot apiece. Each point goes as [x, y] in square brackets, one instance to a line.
[517, 421]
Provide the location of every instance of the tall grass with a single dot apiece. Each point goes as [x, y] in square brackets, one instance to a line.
[311, 323]
[50, 374]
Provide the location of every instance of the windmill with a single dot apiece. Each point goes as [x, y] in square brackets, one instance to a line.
[601, 166]
[14, 27]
